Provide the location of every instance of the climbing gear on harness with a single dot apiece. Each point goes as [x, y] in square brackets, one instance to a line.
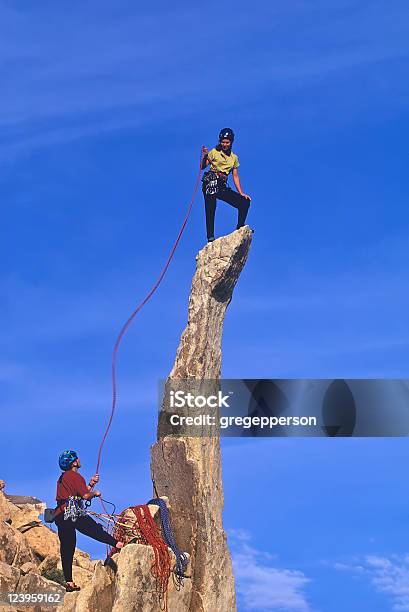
[74, 508]
[66, 459]
[213, 182]
[210, 181]
[226, 133]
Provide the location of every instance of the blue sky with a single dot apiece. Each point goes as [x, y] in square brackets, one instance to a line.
[103, 111]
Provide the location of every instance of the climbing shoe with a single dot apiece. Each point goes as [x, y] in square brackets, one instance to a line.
[70, 588]
[210, 239]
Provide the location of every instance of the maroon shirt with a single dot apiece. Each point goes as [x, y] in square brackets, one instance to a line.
[69, 484]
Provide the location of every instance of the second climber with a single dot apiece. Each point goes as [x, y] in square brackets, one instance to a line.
[222, 161]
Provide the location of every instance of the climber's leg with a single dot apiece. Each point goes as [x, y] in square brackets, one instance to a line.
[68, 539]
[238, 201]
[210, 206]
[89, 527]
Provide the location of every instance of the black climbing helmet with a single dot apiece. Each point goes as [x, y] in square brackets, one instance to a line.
[226, 133]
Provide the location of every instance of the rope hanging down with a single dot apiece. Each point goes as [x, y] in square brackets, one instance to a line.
[181, 560]
[135, 312]
[161, 567]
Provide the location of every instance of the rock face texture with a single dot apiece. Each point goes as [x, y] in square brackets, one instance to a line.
[188, 469]
[19, 563]
[186, 472]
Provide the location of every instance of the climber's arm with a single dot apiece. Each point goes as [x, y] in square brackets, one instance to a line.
[236, 180]
[205, 160]
[91, 495]
[93, 481]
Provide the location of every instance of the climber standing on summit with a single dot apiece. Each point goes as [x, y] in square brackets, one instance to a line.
[70, 514]
[222, 161]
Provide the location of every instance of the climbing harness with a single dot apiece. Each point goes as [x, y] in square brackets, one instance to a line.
[210, 183]
[74, 508]
[213, 183]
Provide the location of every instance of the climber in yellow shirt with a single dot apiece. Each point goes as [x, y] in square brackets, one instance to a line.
[222, 161]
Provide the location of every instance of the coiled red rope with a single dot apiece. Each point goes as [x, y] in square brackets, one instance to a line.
[137, 525]
[161, 566]
[129, 321]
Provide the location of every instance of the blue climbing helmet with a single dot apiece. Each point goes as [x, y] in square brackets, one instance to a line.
[226, 133]
[66, 459]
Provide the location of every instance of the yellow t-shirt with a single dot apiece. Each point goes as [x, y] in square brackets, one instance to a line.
[220, 162]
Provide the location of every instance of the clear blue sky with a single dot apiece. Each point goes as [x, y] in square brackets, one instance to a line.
[103, 111]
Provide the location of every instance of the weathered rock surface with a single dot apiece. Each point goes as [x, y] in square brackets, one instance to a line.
[4, 505]
[96, 596]
[34, 583]
[49, 564]
[14, 549]
[42, 541]
[188, 469]
[24, 511]
[28, 567]
[135, 587]
[9, 577]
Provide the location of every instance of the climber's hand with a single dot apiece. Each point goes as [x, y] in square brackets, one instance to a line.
[246, 196]
[94, 480]
[205, 150]
[97, 494]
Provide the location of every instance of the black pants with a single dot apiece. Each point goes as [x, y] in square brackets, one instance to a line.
[231, 197]
[68, 538]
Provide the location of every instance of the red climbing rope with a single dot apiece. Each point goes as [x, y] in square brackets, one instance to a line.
[161, 567]
[136, 524]
[135, 312]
